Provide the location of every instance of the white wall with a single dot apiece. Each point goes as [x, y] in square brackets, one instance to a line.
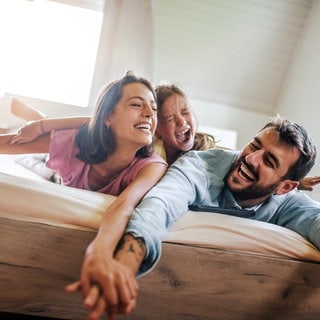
[300, 97]
[245, 122]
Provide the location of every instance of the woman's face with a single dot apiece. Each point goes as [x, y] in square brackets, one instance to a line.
[134, 119]
[177, 123]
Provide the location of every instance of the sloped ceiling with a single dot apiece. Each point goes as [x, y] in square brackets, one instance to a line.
[232, 52]
[228, 51]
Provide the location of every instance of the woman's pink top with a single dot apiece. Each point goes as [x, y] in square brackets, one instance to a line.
[74, 172]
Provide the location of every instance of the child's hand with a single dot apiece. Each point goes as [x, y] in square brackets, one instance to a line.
[31, 131]
[308, 183]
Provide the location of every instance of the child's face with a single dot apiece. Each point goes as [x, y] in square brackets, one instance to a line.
[177, 123]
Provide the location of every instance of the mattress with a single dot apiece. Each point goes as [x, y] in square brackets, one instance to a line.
[53, 204]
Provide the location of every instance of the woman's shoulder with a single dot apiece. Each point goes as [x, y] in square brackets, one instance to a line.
[153, 158]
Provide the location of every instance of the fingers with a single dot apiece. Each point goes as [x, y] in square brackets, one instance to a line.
[114, 292]
[316, 180]
[128, 291]
[112, 311]
[120, 288]
[97, 311]
[93, 296]
[121, 300]
[121, 310]
[126, 296]
[308, 183]
[73, 287]
[15, 139]
[118, 297]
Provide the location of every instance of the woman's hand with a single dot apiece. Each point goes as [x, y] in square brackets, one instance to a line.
[106, 284]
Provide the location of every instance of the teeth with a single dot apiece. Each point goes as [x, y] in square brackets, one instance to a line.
[246, 173]
[143, 126]
[182, 132]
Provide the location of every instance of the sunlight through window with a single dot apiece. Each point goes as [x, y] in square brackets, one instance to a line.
[48, 50]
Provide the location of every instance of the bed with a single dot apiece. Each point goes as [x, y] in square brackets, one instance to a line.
[212, 266]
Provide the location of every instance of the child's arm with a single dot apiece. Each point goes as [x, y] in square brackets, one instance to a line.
[34, 129]
[308, 183]
[40, 145]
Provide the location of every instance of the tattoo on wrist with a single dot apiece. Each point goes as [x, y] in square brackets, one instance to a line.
[127, 240]
[141, 244]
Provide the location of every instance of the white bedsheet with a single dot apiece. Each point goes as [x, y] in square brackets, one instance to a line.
[9, 165]
[49, 203]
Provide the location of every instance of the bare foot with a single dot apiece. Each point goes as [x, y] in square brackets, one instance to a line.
[21, 110]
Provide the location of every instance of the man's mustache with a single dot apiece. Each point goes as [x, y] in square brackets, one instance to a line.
[250, 167]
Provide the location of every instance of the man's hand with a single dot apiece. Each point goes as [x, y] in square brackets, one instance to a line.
[109, 283]
[118, 296]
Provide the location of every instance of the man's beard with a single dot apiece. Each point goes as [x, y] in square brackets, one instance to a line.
[253, 191]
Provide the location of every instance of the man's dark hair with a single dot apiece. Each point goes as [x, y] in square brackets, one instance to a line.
[292, 134]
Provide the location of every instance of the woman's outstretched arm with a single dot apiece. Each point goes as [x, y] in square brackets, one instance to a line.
[102, 277]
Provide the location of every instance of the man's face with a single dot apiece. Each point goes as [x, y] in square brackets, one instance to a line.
[259, 169]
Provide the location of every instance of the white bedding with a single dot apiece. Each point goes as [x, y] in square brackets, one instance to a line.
[8, 164]
[49, 203]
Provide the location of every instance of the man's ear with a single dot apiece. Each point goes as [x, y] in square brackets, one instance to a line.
[286, 186]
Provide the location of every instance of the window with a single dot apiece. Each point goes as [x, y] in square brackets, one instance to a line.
[48, 50]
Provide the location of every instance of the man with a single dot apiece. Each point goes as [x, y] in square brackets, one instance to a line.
[263, 177]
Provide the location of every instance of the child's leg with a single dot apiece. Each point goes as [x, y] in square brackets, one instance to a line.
[21, 110]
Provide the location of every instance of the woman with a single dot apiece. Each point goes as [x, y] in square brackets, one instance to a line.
[111, 153]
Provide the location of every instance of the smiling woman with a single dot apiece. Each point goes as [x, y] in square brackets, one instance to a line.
[112, 153]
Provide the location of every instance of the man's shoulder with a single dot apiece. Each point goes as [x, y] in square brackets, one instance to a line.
[212, 160]
[214, 154]
[294, 199]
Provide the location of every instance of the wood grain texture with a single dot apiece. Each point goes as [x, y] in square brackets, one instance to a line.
[38, 260]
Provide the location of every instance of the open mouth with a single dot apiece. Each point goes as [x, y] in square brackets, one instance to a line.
[246, 173]
[145, 127]
[183, 136]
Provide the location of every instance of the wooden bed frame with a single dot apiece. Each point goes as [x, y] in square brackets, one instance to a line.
[191, 281]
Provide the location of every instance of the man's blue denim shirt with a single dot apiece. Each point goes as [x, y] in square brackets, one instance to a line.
[197, 178]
